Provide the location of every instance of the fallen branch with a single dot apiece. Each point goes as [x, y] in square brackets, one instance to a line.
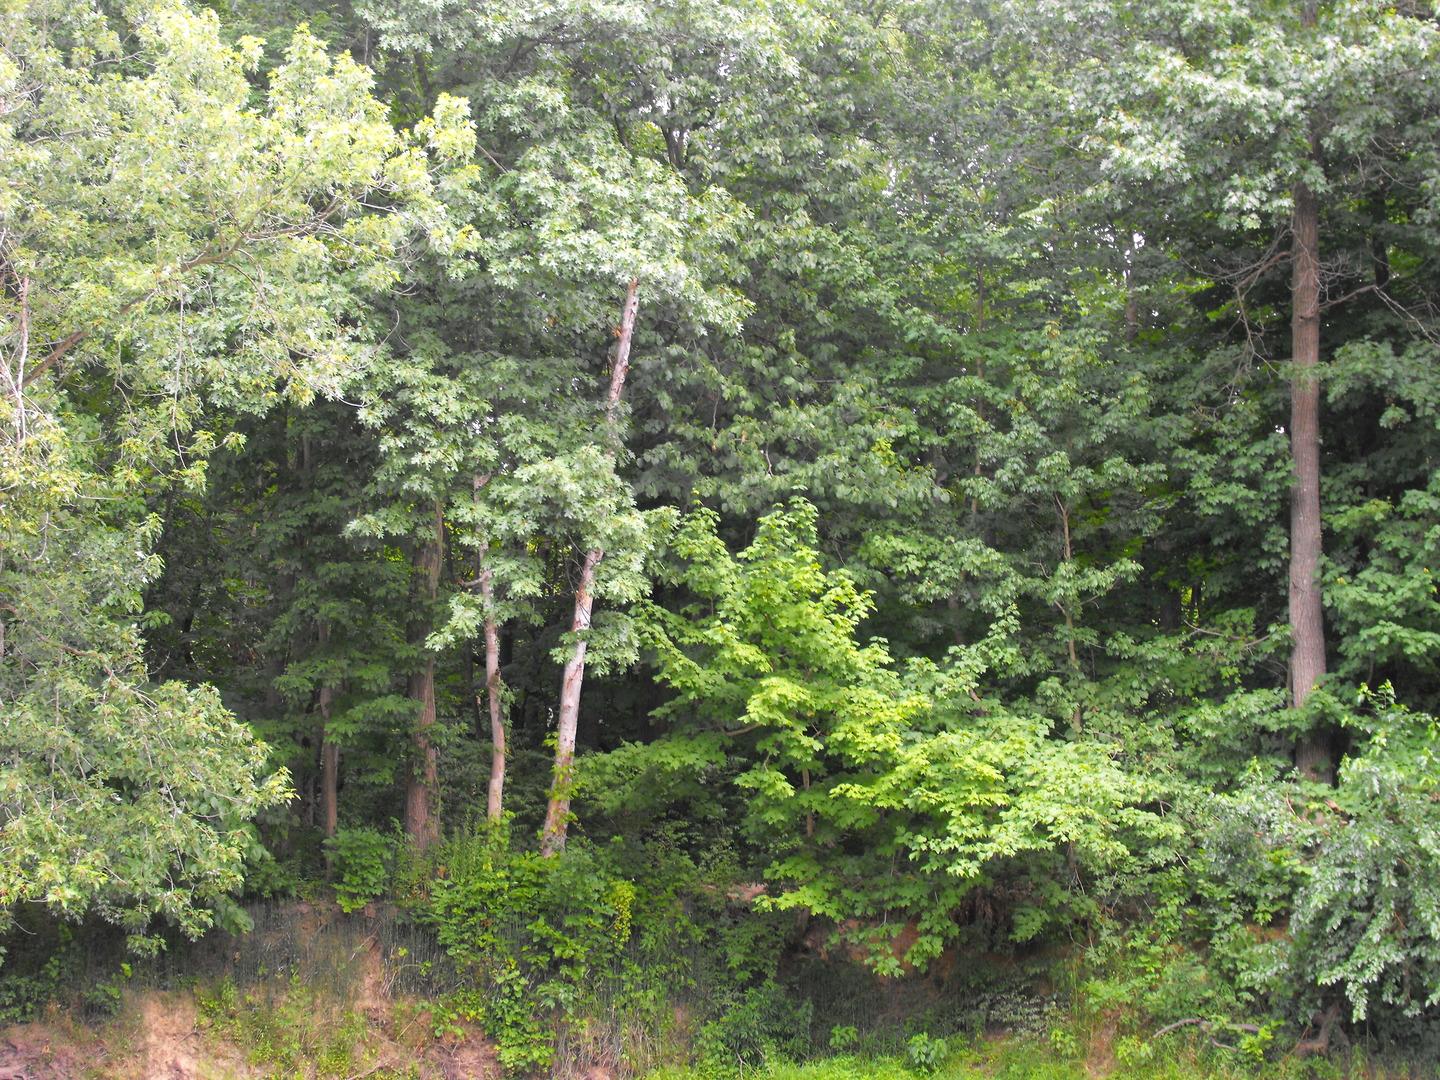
[1207, 1026]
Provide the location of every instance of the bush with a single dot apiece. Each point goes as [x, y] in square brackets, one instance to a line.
[589, 932]
[363, 859]
[1368, 918]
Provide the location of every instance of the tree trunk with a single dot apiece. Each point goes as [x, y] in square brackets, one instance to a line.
[1307, 658]
[485, 575]
[422, 824]
[329, 778]
[329, 757]
[495, 803]
[329, 775]
[557, 813]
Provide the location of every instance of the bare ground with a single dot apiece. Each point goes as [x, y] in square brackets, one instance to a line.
[163, 1036]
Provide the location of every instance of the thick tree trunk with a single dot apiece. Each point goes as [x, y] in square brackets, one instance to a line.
[422, 824]
[557, 813]
[329, 779]
[1307, 658]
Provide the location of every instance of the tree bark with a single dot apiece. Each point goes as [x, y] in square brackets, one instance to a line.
[329, 755]
[329, 773]
[1307, 658]
[329, 777]
[485, 576]
[557, 813]
[422, 824]
[495, 803]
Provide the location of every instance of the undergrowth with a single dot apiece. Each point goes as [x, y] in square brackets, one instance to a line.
[644, 961]
[1036, 1059]
[291, 1033]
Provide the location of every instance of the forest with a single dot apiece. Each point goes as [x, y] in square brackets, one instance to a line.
[736, 497]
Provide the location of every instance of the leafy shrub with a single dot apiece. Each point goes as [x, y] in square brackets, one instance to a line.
[49, 960]
[759, 1025]
[292, 1032]
[926, 1053]
[362, 860]
[1368, 918]
[587, 932]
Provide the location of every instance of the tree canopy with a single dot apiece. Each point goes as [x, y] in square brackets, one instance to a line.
[909, 453]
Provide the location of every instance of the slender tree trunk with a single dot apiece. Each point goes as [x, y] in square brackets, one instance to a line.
[329, 755]
[422, 824]
[1307, 658]
[979, 374]
[494, 807]
[329, 777]
[557, 813]
[621, 366]
[485, 575]
[329, 773]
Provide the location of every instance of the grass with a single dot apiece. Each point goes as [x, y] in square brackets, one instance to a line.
[1035, 1059]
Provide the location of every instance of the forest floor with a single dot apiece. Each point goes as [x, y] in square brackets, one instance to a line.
[165, 1035]
[313, 995]
[179, 1035]
[174, 1035]
[305, 994]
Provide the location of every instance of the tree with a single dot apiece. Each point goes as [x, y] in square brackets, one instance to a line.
[552, 836]
[163, 242]
[1257, 116]
[874, 791]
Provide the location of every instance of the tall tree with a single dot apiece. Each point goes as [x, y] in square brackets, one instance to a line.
[1257, 116]
[164, 241]
[552, 835]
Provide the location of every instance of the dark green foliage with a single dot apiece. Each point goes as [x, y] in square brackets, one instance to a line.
[548, 938]
[1365, 919]
[53, 962]
[754, 1026]
[939, 536]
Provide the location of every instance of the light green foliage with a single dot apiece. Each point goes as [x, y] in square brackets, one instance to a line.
[1277, 90]
[770, 677]
[965, 320]
[165, 237]
[778, 657]
[580, 498]
[294, 1032]
[836, 751]
[121, 798]
[171, 231]
[926, 1054]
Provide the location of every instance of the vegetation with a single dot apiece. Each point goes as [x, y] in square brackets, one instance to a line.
[720, 514]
